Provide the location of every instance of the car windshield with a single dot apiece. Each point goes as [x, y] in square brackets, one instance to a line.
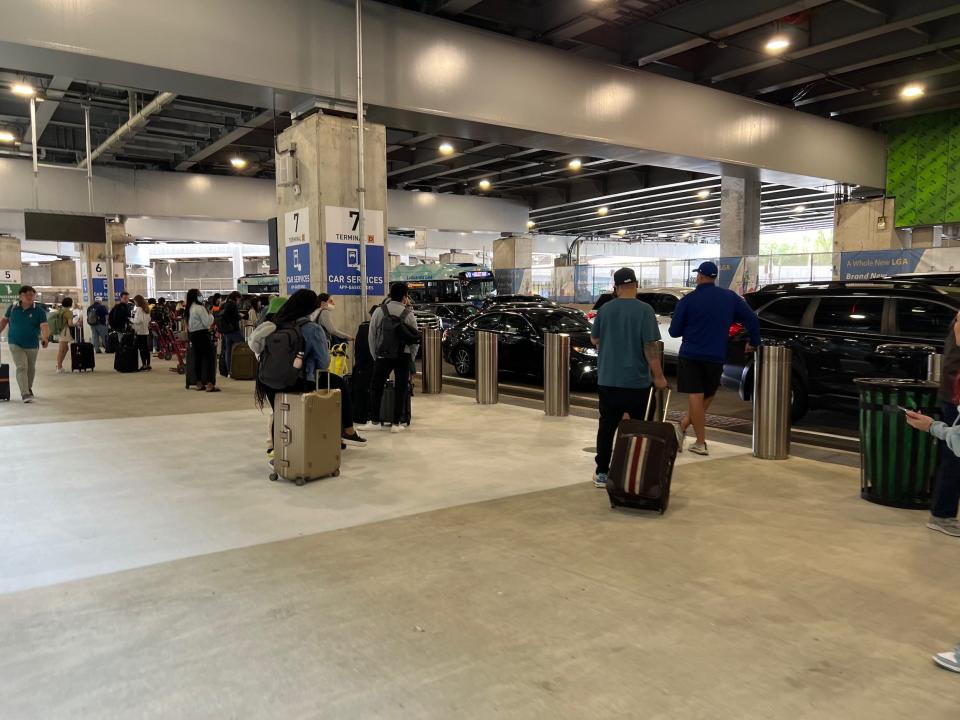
[558, 322]
[462, 312]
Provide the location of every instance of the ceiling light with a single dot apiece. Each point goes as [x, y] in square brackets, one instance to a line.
[23, 89]
[777, 44]
[238, 162]
[698, 221]
[7, 137]
[800, 208]
[703, 194]
[603, 211]
[685, 235]
[34, 264]
[621, 232]
[530, 223]
[913, 90]
[484, 184]
[575, 164]
[446, 149]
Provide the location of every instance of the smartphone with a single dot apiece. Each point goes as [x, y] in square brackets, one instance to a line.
[905, 410]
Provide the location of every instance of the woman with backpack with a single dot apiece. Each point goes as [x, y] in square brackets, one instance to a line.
[141, 326]
[60, 323]
[298, 368]
[201, 343]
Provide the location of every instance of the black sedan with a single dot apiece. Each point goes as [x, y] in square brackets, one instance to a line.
[520, 341]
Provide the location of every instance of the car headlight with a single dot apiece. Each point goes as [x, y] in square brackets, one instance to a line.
[583, 350]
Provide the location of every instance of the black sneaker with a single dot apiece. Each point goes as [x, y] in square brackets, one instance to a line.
[354, 439]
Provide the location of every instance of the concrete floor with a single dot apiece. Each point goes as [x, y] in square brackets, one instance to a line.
[466, 570]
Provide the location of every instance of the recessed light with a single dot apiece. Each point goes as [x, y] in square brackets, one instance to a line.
[23, 89]
[530, 223]
[575, 164]
[800, 208]
[621, 232]
[446, 149]
[698, 221]
[7, 137]
[238, 162]
[603, 210]
[777, 44]
[703, 194]
[913, 90]
[484, 184]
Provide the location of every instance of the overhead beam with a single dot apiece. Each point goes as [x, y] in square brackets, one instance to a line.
[440, 160]
[868, 34]
[52, 97]
[693, 23]
[452, 8]
[129, 129]
[936, 72]
[441, 77]
[225, 139]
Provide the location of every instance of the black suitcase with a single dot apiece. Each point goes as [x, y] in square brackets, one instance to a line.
[113, 341]
[190, 369]
[386, 405]
[360, 393]
[81, 354]
[127, 359]
[643, 457]
[4, 381]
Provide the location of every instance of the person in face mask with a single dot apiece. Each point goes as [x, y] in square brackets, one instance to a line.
[326, 308]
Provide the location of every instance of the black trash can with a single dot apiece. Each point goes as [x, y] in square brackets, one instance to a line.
[897, 463]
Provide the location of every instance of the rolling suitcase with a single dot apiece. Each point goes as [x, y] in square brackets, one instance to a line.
[306, 435]
[113, 341]
[4, 381]
[243, 363]
[127, 359]
[643, 457]
[190, 368]
[81, 354]
[386, 404]
[360, 393]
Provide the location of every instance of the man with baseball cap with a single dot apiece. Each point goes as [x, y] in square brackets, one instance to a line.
[626, 334]
[703, 319]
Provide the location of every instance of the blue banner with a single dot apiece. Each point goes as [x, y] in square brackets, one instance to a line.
[100, 288]
[298, 267]
[728, 267]
[343, 269]
[869, 264]
[86, 290]
[118, 288]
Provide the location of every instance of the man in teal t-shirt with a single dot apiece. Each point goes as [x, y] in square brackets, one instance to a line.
[28, 331]
[626, 333]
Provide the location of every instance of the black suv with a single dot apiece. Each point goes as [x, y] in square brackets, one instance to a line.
[834, 329]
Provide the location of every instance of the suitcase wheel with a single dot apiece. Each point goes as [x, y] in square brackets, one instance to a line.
[299, 482]
[167, 356]
[274, 477]
[181, 370]
[336, 473]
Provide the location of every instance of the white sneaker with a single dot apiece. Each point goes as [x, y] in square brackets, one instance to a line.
[699, 449]
[61, 371]
[395, 429]
[948, 526]
[681, 438]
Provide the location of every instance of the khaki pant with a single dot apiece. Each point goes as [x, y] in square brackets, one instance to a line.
[26, 361]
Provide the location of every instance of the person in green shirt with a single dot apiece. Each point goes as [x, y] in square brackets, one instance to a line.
[28, 331]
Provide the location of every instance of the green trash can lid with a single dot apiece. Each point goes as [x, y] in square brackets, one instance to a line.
[905, 350]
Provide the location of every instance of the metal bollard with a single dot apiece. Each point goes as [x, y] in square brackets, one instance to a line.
[556, 375]
[771, 402]
[487, 365]
[935, 367]
[432, 377]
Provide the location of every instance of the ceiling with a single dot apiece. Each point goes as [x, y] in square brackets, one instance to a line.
[846, 59]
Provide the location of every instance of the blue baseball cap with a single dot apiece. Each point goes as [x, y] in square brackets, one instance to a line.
[708, 268]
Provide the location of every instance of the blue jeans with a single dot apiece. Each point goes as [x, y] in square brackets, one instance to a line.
[946, 491]
[99, 337]
[229, 340]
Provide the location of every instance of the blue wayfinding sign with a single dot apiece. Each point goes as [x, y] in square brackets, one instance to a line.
[100, 288]
[869, 264]
[727, 268]
[343, 269]
[298, 267]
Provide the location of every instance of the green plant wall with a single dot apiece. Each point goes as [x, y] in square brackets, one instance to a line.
[923, 169]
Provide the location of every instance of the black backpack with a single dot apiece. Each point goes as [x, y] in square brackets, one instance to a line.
[280, 349]
[395, 334]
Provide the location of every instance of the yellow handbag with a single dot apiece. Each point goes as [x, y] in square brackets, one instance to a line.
[339, 360]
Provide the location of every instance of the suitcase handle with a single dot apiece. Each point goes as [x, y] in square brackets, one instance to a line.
[316, 381]
[666, 403]
[285, 435]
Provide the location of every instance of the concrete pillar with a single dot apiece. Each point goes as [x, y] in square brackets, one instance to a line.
[318, 244]
[739, 216]
[10, 270]
[94, 267]
[858, 226]
[927, 237]
[513, 264]
[237, 256]
[63, 274]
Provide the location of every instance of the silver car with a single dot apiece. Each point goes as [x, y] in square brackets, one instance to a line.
[664, 302]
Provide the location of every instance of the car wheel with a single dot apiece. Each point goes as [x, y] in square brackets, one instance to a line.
[463, 362]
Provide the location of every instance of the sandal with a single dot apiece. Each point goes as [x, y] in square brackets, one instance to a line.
[949, 660]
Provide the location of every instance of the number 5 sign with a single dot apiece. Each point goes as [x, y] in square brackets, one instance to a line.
[10, 276]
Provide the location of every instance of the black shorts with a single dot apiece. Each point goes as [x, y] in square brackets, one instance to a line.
[699, 377]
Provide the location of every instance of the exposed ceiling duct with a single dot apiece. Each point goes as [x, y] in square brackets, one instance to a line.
[131, 126]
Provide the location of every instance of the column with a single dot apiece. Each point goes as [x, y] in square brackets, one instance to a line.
[95, 266]
[63, 274]
[740, 226]
[513, 264]
[319, 247]
[236, 255]
[10, 270]
[930, 236]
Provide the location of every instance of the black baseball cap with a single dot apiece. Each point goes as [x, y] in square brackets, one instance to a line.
[624, 276]
[707, 268]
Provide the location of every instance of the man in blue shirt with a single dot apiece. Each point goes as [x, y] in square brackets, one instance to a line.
[28, 331]
[703, 319]
[626, 334]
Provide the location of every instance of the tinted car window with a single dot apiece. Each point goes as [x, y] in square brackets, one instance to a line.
[649, 298]
[559, 322]
[786, 311]
[666, 304]
[922, 319]
[513, 323]
[488, 322]
[850, 314]
[461, 312]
